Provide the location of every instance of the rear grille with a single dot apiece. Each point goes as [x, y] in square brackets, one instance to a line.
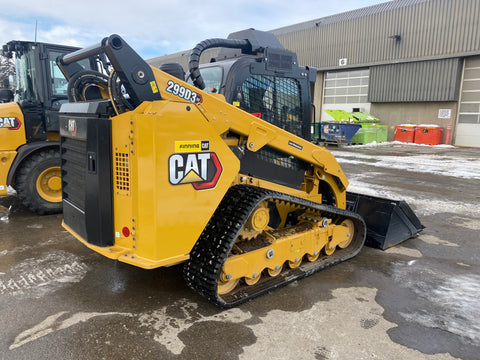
[122, 173]
[74, 168]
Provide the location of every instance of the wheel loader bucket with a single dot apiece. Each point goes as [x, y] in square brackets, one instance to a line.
[389, 222]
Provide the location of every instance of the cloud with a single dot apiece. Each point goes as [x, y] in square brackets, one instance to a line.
[154, 28]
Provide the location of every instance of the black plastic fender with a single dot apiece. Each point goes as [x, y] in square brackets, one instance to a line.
[25, 151]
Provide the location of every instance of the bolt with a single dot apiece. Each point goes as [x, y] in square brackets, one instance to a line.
[270, 253]
[297, 259]
[277, 267]
[254, 276]
[315, 253]
[348, 234]
[251, 145]
[332, 247]
[229, 276]
[140, 74]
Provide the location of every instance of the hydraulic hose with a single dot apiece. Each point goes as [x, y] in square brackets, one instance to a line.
[197, 51]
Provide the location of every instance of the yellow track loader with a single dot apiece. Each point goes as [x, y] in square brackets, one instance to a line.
[160, 172]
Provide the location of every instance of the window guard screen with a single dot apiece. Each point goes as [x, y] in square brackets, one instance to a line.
[275, 99]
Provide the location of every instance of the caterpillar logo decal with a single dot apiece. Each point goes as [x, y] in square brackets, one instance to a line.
[190, 146]
[11, 123]
[72, 126]
[201, 169]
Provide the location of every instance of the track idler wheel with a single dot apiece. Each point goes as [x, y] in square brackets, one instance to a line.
[351, 229]
[226, 285]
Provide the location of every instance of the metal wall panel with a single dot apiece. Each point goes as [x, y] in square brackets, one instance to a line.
[436, 80]
[400, 31]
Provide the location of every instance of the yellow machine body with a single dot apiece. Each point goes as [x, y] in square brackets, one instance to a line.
[12, 136]
[175, 174]
[164, 220]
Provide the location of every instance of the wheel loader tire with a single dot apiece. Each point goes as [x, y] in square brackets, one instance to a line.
[38, 183]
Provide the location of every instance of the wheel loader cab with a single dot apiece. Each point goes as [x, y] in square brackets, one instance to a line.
[29, 123]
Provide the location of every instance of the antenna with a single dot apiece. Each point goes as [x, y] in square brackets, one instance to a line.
[36, 30]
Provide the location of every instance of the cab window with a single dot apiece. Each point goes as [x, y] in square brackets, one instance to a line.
[212, 77]
[59, 83]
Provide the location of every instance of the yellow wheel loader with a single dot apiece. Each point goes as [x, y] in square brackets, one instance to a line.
[161, 172]
[29, 139]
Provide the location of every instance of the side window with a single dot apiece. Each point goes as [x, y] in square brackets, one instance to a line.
[274, 99]
[212, 77]
[59, 83]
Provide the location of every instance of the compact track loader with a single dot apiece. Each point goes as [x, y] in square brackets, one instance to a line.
[161, 172]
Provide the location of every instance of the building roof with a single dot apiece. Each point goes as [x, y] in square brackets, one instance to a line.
[348, 15]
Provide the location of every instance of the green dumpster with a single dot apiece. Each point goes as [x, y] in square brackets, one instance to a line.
[371, 129]
[364, 117]
[341, 115]
[382, 133]
[369, 133]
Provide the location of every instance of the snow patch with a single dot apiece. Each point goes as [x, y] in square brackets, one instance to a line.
[37, 276]
[400, 144]
[473, 224]
[11, 191]
[54, 323]
[433, 240]
[455, 298]
[444, 165]
[404, 251]
[423, 206]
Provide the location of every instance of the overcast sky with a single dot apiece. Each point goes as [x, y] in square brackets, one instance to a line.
[155, 28]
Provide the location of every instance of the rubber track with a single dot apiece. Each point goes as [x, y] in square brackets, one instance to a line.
[202, 270]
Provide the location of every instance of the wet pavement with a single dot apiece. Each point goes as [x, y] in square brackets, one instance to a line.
[418, 300]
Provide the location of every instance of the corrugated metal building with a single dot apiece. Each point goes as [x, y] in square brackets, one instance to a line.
[403, 61]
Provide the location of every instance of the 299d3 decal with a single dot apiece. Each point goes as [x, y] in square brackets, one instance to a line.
[183, 92]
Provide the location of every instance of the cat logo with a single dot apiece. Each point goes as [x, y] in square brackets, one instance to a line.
[202, 170]
[72, 126]
[11, 123]
[190, 146]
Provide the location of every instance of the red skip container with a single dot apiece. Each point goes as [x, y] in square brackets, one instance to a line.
[428, 134]
[405, 133]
